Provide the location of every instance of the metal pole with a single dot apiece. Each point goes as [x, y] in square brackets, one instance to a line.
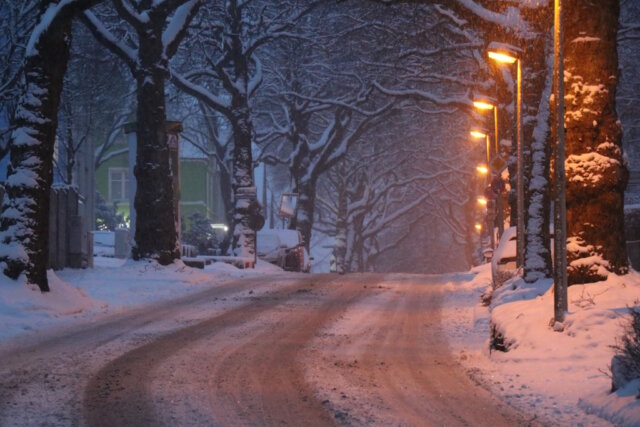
[490, 206]
[488, 152]
[560, 304]
[499, 206]
[520, 166]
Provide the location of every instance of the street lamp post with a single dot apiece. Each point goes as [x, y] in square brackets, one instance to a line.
[479, 134]
[560, 305]
[508, 55]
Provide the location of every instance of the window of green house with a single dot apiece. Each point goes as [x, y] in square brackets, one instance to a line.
[118, 184]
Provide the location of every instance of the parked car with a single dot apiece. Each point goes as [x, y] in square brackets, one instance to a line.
[503, 263]
[283, 248]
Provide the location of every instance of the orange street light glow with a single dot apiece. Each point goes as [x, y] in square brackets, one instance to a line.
[502, 57]
[482, 169]
[478, 134]
[481, 105]
[479, 227]
[482, 201]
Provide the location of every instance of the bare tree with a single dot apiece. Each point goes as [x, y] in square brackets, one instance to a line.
[230, 39]
[24, 221]
[17, 19]
[159, 27]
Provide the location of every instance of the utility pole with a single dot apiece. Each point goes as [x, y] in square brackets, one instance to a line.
[499, 206]
[264, 190]
[560, 304]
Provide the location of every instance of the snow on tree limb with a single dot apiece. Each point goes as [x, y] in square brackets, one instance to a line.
[100, 32]
[178, 25]
[458, 101]
[200, 92]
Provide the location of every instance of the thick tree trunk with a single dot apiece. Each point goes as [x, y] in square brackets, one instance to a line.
[356, 245]
[244, 238]
[245, 194]
[24, 223]
[306, 190]
[156, 234]
[596, 174]
[226, 190]
[537, 256]
[340, 241]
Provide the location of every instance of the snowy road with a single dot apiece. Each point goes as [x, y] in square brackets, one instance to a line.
[291, 349]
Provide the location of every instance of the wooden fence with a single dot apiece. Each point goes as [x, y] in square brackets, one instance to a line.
[69, 243]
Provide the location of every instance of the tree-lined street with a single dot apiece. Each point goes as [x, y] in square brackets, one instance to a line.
[170, 168]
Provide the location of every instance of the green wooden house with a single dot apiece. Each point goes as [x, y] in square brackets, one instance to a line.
[200, 189]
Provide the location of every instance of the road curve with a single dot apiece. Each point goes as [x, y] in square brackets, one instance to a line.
[303, 350]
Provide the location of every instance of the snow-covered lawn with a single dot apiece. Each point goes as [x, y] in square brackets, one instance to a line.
[562, 374]
[113, 285]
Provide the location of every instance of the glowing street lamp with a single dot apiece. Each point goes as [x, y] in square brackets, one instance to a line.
[478, 227]
[482, 169]
[478, 134]
[482, 105]
[504, 54]
[481, 134]
[502, 57]
[482, 201]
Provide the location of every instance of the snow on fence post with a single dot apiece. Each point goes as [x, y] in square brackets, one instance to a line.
[121, 243]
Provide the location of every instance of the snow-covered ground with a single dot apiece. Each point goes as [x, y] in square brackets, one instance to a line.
[113, 285]
[560, 375]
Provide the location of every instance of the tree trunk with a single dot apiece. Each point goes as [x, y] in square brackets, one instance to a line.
[226, 190]
[596, 174]
[306, 189]
[356, 244]
[340, 241]
[69, 151]
[24, 223]
[244, 238]
[156, 234]
[537, 256]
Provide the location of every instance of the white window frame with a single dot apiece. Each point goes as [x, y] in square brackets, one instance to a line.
[124, 174]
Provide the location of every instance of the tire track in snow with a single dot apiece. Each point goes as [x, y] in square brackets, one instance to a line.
[121, 393]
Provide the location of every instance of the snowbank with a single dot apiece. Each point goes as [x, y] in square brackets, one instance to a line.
[554, 372]
[24, 308]
[113, 285]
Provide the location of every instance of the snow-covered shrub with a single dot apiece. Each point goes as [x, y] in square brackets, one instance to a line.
[107, 217]
[197, 231]
[625, 366]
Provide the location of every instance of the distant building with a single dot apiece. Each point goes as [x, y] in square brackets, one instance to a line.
[200, 191]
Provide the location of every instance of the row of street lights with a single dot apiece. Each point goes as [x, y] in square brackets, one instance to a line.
[508, 55]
